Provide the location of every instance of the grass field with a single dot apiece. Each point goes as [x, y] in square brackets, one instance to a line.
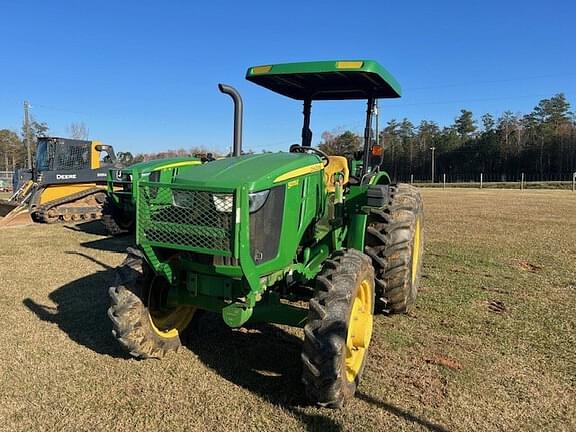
[567, 185]
[491, 345]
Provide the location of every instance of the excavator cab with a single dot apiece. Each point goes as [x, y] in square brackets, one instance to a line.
[53, 154]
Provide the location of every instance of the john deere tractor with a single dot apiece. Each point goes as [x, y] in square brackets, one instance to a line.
[119, 209]
[255, 238]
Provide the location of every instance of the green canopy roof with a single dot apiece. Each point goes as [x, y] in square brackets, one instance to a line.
[327, 80]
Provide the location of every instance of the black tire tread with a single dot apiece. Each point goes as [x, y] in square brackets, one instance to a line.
[130, 316]
[113, 219]
[326, 329]
[389, 237]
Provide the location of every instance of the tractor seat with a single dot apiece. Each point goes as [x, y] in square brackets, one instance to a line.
[336, 164]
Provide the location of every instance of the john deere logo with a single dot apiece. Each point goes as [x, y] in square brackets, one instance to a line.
[65, 176]
[118, 174]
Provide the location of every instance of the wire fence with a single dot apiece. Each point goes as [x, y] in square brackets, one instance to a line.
[6, 181]
[491, 180]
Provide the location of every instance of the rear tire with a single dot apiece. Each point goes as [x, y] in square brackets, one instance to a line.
[338, 330]
[395, 242]
[116, 220]
[142, 328]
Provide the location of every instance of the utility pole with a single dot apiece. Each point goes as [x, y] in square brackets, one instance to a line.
[27, 132]
[432, 148]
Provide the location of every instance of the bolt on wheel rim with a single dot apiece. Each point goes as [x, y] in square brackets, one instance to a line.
[169, 324]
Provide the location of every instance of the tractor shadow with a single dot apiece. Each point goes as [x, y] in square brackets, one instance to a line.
[110, 244]
[401, 413]
[81, 311]
[263, 359]
[106, 242]
[91, 227]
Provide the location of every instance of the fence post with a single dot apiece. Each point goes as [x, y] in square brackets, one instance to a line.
[444, 180]
[573, 182]
[522, 182]
[411, 178]
[481, 179]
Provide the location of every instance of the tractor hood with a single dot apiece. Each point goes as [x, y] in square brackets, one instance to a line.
[255, 171]
[125, 174]
[155, 164]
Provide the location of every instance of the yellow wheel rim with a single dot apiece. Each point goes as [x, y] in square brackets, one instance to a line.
[416, 251]
[359, 330]
[169, 324]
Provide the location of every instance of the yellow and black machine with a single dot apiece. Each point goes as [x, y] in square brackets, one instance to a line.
[67, 183]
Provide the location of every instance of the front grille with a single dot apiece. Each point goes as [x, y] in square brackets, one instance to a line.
[186, 219]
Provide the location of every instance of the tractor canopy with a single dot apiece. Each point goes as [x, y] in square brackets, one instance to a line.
[327, 80]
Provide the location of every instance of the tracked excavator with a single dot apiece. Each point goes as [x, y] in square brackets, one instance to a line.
[67, 183]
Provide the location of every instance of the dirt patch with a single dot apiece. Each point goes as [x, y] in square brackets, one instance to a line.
[442, 360]
[459, 270]
[529, 267]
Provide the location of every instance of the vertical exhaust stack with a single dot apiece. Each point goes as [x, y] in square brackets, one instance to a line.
[238, 113]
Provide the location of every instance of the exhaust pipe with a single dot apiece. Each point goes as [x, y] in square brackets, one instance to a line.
[238, 112]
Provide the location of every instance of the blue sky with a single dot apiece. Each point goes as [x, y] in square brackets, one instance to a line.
[143, 74]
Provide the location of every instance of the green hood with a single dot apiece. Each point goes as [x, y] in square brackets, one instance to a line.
[256, 171]
[152, 165]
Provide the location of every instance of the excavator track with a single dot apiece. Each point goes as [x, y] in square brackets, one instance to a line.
[84, 205]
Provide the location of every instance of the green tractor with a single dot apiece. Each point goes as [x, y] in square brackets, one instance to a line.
[119, 209]
[295, 238]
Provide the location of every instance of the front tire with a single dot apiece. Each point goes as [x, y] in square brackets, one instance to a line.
[339, 328]
[142, 327]
[116, 220]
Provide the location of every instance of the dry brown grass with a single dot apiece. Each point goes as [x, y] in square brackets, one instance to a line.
[454, 364]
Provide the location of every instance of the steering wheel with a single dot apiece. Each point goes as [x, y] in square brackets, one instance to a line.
[297, 148]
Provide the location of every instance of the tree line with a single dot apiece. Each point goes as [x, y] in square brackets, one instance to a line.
[541, 144]
[13, 147]
[13, 151]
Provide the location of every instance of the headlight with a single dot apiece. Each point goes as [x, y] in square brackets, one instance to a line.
[257, 199]
[154, 176]
[180, 198]
[223, 202]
